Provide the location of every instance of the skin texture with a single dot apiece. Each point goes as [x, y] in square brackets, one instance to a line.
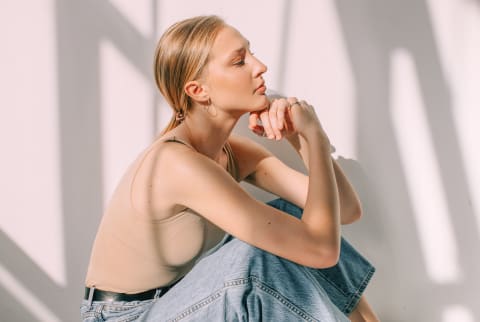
[230, 86]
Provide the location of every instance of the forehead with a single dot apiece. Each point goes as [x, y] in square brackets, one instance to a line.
[228, 41]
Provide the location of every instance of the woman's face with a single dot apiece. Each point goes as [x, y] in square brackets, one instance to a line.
[233, 75]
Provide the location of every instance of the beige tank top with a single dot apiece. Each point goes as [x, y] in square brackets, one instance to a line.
[134, 253]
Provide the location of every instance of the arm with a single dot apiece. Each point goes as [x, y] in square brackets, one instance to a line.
[262, 169]
[272, 175]
[211, 192]
[322, 188]
[350, 207]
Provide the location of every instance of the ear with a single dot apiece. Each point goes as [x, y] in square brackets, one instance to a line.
[196, 91]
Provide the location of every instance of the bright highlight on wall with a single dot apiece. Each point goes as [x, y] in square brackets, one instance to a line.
[23, 295]
[456, 25]
[31, 197]
[457, 313]
[126, 114]
[422, 173]
[311, 65]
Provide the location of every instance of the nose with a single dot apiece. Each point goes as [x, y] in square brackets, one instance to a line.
[259, 67]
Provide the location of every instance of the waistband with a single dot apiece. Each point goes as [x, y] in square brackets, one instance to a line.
[95, 294]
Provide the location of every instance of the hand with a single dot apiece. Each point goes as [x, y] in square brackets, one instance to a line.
[283, 118]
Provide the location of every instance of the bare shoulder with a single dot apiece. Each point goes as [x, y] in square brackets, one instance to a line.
[175, 161]
[165, 174]
[184, 177]
[181, 172]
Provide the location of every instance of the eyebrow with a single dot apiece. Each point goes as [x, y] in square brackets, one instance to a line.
[239, 50]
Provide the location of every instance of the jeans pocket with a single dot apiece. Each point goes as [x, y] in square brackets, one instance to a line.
[125, 311]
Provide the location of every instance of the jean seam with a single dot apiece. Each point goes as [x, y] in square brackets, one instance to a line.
[329, 281]
[193, 308]
[124, 306]
[282, 299]
[243, 281]
[350, 305]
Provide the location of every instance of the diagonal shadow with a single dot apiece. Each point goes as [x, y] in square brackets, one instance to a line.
[372, 29]
[80, 26]
[30, 275]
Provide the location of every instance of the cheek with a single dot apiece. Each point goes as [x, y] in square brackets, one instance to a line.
[237, 84]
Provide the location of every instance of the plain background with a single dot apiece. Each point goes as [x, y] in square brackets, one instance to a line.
[394, 82]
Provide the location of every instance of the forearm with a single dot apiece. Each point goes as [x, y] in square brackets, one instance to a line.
[322, 208]
[300, 146]
[350, 206]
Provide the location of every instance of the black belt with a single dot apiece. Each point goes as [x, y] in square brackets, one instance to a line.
[99, 295]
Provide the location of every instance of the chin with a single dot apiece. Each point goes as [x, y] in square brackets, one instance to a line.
[263, 104]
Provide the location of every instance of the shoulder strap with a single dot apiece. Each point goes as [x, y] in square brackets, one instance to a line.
[232, 166]
[174, 139]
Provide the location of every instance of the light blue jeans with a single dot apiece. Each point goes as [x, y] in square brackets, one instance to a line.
[239, 282]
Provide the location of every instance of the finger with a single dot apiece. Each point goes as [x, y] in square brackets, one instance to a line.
[281, 109]
[274, 120]
[267, 127]
[281, 116]
[253, 120]
[287, 123]
[292, 100]
[259, 131]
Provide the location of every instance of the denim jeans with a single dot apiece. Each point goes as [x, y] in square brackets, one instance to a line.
[239, 282]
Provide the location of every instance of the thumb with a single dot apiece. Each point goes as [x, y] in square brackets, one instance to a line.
[253, 120]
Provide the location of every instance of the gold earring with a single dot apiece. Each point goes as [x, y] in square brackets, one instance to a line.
[208, 110]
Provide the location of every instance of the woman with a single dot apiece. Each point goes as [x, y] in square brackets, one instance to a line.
[163, 251]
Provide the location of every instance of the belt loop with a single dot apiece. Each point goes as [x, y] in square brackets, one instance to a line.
[158, 293]
[90, 296]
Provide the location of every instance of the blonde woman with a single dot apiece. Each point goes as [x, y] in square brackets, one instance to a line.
[181, 240]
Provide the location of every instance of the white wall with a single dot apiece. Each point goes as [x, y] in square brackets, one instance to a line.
[395, 84]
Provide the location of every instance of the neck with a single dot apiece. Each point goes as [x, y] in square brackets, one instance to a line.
[207, 134]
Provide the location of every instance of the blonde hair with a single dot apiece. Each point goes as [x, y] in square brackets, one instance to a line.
[182, 53]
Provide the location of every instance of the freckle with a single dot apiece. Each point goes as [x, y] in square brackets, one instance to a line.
[269, 223]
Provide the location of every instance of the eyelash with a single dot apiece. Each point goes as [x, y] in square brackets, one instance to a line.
[242, 62]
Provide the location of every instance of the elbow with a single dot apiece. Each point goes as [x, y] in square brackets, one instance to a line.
[329, 262]
[328, 257]
[357, 212]
[353, 214]
[332, 257]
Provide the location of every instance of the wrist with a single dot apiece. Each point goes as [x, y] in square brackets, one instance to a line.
[316, 136]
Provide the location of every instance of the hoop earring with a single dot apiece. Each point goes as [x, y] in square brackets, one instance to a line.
[208, 110]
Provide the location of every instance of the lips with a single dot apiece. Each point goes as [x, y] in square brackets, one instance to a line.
[262, 88]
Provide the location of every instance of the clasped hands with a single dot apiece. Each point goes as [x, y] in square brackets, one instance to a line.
[282, 118]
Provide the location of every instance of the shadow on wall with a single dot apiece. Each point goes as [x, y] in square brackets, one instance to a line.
[402, 289]
[81, 25]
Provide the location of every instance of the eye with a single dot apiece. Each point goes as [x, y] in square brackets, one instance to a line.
[240, 62]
